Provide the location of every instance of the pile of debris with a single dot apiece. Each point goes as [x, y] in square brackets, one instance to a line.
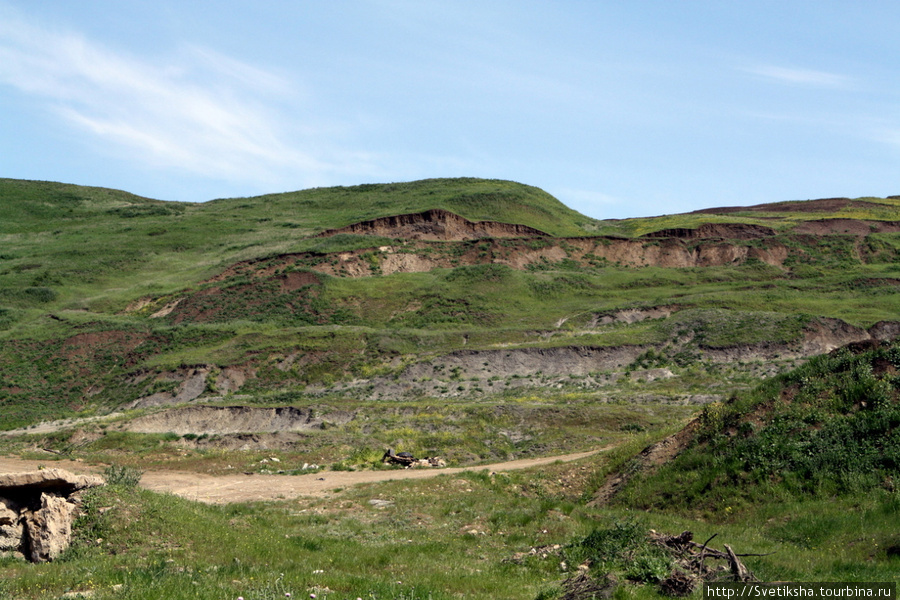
[692, 565]
[37, 510]
[697, 563]
[405, 459]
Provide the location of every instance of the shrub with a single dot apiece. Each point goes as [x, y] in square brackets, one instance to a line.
[121, 475]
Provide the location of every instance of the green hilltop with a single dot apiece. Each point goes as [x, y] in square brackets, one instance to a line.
[90, 242]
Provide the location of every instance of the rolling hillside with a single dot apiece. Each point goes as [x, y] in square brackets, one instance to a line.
[730, 371]
[437, 288]
[826, 429]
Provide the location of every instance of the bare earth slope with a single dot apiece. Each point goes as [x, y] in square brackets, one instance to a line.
[435, 224]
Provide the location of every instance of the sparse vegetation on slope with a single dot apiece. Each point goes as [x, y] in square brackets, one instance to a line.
[829, 428]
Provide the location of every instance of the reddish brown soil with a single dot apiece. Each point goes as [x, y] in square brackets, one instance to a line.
[846, 227]
[821, 205]
[86, 344]
[726, 231]
[298, 279]
[436, 224]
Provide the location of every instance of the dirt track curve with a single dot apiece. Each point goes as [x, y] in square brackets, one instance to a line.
[224, 489]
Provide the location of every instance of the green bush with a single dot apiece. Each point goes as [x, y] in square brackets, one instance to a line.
[608, 547]
[121, 475]
[478, 273]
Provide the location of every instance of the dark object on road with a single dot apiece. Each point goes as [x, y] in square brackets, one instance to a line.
[403, 458]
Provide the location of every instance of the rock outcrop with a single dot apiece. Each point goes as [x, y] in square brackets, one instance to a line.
[37, 510]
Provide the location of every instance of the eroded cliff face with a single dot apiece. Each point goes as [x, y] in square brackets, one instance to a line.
[855, 227]
[665, 248]
[436, 224]
[418, 256]
[728, 231]
[520, 254]
[441, 239]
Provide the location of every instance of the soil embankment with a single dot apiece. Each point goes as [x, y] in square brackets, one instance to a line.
[226, 420]
[435, 224]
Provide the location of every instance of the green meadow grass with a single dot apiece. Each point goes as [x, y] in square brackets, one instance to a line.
[449, 537]
[463, 432]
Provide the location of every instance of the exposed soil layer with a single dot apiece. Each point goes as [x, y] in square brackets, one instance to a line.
[664, 252]
[435, 224]
[421, 256]
[885, 331]
[634, 315]
[228, 419]
[728, 231]
[854, 227]
[648, 460]
[571, 360]
[820, 205]
[466, 371]
[443, 245]
[487, 371]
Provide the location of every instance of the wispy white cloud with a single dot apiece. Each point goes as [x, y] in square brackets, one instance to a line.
[808, 77]
[195, 110]
[882, 131]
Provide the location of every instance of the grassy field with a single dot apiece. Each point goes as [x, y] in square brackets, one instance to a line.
[468, 536]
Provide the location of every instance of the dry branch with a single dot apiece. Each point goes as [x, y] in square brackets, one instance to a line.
[692, 559]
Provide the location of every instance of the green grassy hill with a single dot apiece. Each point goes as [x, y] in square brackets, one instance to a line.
[107, 298]
[473, 349]
[829, 428]
[96, 248]
[312, 211]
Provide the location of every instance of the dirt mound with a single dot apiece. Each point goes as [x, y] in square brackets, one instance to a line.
[846, 227]
[436, 224]
[565, 361]
[823, 335]
[820, 205]
[649, 459]
[227, 419]
[727, 231]
[885, 331]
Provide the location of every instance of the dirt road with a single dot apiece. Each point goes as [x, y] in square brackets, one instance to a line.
[244, 488]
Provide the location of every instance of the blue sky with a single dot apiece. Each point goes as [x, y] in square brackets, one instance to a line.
[619, 109]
